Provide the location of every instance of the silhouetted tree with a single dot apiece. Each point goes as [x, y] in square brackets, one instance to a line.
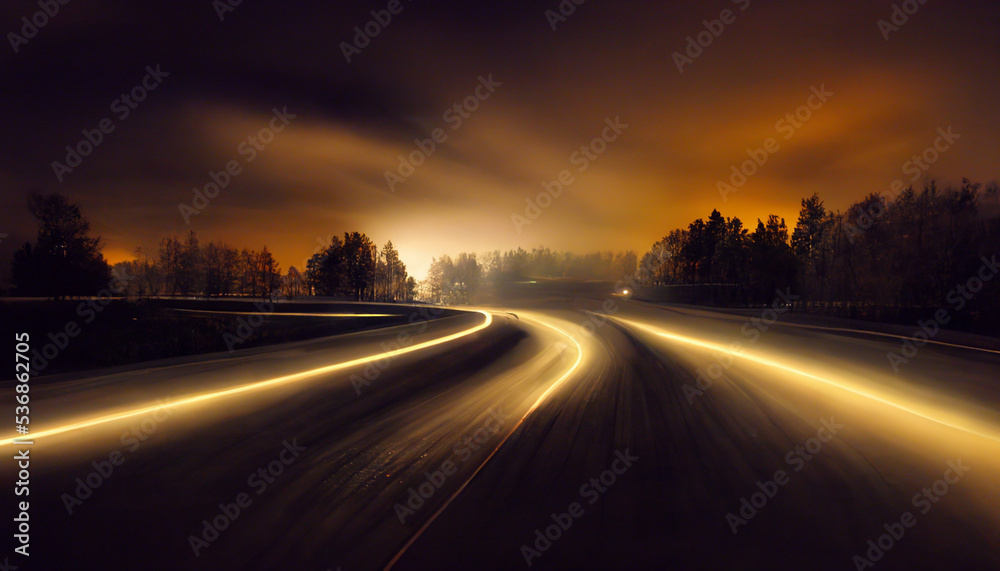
[390, 275]
[292, 283]
[325, 269]
[731, 260]
[269, 273]
[411, 288]
[171, 252]
[188, 276]
[220, 264]
[359, 264]
[65, 259]
[772, 262]
[809, 245]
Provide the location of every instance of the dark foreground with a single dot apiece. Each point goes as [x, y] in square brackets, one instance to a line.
[625, 434]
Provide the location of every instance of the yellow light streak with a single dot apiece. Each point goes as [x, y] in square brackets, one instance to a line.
[538, 402]
[256, 386]
[928, 413]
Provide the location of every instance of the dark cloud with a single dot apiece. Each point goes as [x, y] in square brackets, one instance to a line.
[325, 173]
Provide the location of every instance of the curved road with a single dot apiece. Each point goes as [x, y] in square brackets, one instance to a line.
[634, 436]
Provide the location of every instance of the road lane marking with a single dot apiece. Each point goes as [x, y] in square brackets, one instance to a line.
[259, 385]
[538, 402]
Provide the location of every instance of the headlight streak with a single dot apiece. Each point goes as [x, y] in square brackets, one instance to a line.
[869, 333]
[990, 434]
[531, 409]
[259, 385]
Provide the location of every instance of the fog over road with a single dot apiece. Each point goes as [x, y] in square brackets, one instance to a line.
[635, 435]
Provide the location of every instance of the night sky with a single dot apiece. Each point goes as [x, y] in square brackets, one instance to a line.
[325, 172]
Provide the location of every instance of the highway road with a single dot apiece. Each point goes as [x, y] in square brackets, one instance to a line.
[568, 429]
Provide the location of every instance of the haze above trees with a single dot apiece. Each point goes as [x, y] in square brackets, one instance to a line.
[878, 255]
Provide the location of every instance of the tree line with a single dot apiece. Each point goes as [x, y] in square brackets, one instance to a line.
[66, 261]
[351, 268]
[356, 268]
[185, 267]
[882, 253]
[906, 251]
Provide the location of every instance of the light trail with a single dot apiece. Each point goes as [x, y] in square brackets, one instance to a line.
[531, 409]
[256, 386]
[686, 311]
[990, 433]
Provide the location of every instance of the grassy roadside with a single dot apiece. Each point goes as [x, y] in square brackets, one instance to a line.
[74, 335]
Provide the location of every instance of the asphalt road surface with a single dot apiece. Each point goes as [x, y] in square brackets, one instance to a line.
[572, 429]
